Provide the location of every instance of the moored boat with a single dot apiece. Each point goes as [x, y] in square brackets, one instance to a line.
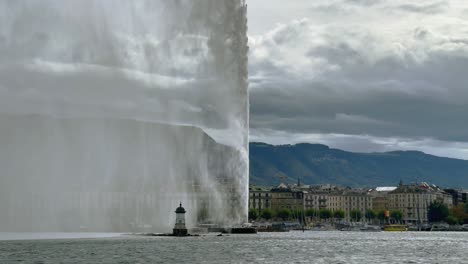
[370, 228]
[396, 227]
[440, 227]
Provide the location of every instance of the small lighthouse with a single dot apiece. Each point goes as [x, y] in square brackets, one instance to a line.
[179, 228]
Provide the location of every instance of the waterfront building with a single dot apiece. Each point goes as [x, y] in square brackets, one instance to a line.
[349, 200]
[458, 195]
[336, 198]
[284, 196]
[413, 200]
[380, 197]
[259, 198]
[317, 196]
[316, 199]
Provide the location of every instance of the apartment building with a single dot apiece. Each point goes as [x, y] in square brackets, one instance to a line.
[414, 200]
[259, 197]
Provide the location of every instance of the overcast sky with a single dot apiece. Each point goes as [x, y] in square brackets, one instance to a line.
[361, 75]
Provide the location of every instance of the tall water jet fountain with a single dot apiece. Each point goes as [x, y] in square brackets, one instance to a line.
[113, 111]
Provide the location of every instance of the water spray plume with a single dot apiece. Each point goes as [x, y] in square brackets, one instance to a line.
[114, 111]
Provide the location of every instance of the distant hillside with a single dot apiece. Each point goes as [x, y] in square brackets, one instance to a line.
[314, 164]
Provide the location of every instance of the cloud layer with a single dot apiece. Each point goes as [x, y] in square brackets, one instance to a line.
[389, 70]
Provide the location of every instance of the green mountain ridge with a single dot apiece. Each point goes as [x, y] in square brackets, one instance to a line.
[320, 164]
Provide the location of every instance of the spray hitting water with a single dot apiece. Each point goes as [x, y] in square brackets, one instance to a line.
[113, 111]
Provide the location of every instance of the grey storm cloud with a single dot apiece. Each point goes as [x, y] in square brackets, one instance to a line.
[371, 72]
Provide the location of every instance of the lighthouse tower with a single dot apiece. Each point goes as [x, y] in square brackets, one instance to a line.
[179, 228]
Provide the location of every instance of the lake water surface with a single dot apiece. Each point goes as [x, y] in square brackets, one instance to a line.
[292, 247]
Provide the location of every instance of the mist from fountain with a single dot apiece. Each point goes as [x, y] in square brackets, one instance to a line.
[113, 111]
